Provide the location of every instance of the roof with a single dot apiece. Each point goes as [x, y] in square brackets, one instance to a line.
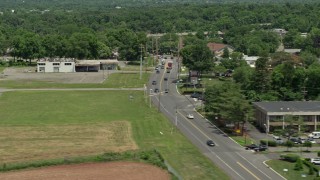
[96, 62]
[217, 46]
[292, 51]
[250, 58]
[288, 106]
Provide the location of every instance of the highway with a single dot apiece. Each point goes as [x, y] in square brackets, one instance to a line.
[237, 162]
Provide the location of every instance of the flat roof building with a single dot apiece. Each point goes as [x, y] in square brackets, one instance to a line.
[272, 114]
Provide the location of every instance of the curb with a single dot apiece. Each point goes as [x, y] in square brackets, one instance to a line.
[264, 162]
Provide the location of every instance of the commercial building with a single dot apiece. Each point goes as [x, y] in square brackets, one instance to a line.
[96, 65]
[56, 65]
[273, 115]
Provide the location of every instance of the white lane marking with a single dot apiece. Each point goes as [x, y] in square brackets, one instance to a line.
[253, 165]
[264, 162]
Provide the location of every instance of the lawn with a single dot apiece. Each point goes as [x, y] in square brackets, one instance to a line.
[116, 80]
[1, 69]
[51, 124]
[279, 166]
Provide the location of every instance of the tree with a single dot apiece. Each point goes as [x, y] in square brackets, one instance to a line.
[226, 53]
[298, 166]
[289, 144]
[261, 77]
[307, 144]
[197, 57]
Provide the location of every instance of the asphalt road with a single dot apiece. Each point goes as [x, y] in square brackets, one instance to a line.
[237, 162]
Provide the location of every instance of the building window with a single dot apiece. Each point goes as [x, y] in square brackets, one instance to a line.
[56, 64]
[41, 64]
[67, 64]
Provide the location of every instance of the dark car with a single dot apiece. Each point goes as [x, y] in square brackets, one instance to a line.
[166, 79]
[210, 143]
[261, 148]
[166, 91]
[154, 82]
[158, 71]
[168, 71]
[294, 140]
[156, 90]
[195, 95]
[251, 146]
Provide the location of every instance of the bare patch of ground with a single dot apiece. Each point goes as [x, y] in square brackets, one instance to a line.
[96, 171]
[28, 73]
[25, 143]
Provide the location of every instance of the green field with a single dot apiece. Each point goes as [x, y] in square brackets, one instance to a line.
[90, 122]
[279, 166]
[116, 80]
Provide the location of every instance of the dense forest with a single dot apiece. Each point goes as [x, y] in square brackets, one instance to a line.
[92, 31]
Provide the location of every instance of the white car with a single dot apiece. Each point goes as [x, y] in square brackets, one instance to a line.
[315, 160]
[190, 116]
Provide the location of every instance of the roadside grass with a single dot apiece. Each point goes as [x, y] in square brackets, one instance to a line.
[279, 166]
[243, 140]
[2, 68]
[79, 119]
[115, 80]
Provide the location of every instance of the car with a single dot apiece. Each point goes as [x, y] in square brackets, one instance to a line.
[294, 140]
[251, 146]
[171, 57]
[166, 79]
[261, 148]
[190, 116]
[278, 140]
[156, 90]
[162, 66]
[210, 143]
[158, 71]
[311, 140]
[315, 160]
[302, 140]
[154, 82]
[166, 91]
[157, 68]
[195, 95]
[168, 71]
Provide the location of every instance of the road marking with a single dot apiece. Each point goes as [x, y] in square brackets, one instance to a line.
[247, 170]
[264, 162]
[253, 165]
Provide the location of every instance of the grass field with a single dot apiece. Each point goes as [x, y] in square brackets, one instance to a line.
[43, 124]
[116, 80]
[1, 69]
[279, 165]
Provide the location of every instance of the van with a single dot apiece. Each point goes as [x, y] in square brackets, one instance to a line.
[315, 135]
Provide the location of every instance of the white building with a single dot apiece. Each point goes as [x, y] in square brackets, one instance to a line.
[56, 66]
[251, 60]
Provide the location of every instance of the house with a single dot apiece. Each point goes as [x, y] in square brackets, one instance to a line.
[218, 48]
[251, 60]
[272, 115]
[56, 65]
[96, 65]
[280, 32]
[292, 51]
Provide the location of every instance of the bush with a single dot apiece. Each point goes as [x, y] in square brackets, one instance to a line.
[290, 157]
[271, 143]
[298, 166]
[311, 166]
[318, 153]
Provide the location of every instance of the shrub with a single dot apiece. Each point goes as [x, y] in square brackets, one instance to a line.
[318, 153]
[311, 171]
[290, 157]
[310, 166]
[298, 166]
[270, 142]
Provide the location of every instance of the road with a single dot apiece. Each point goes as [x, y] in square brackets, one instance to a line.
[237, 162]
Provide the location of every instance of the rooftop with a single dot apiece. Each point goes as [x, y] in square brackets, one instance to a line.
[289, 106]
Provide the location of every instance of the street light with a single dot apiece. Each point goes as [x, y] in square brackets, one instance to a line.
[266, 134]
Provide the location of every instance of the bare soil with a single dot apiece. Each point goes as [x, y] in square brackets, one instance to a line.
[94, 171]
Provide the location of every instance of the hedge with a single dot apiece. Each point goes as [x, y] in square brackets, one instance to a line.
[290, 157]
[270, 143]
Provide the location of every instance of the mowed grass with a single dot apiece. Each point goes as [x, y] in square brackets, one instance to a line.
[39, 122]
[116, 80]
[1, 69]
[279, 166]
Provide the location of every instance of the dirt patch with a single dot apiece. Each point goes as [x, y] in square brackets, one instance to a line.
[96, 171]
[25, 143]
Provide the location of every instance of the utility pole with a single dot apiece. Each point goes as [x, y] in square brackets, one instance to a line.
[157, 49]
[140, 61]
[176, 120]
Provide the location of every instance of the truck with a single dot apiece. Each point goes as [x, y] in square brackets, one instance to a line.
[169, 64]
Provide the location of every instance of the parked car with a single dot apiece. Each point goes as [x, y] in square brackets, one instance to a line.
[210, 143]
[154, 82]
[261, 148]
[156, 90]
[157, 68]
[314, 135]
[301, 140]
[251, 146]
[190, 116]
[166, 79]
[195, 95]
[158, 71]
[166, 91]
[278, 140]
[315, 160]
[311, 140]
[294, 140]
[162, 66]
